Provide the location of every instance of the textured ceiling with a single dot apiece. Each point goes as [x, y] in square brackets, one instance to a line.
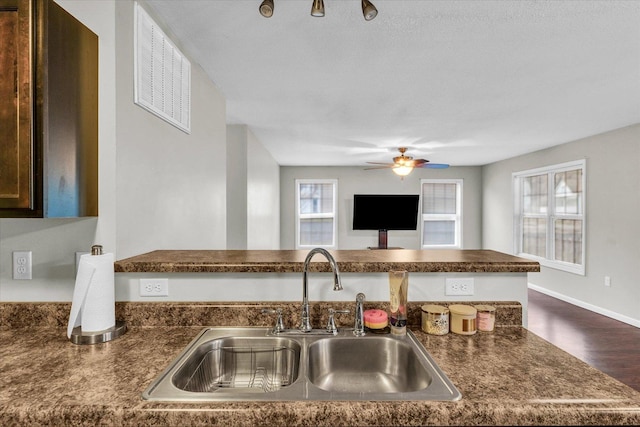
[458, 82]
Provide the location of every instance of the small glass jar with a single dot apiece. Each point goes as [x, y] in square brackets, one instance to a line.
[463, 319]
[486, 317]
[435, 319]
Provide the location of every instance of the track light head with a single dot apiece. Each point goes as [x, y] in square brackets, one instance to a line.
[369, 11]
[317, 8]
[266, 8]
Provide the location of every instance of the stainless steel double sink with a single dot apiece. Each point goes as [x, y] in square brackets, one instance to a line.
[233, 364]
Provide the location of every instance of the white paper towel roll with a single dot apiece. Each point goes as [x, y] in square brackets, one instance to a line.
[93, 305]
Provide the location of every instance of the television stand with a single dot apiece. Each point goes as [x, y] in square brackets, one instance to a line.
[382, 241]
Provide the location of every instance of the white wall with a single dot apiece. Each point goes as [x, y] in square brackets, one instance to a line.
[236, 187]
[263, 197]
[253, 192]
[613, 229]
[356, 180]
[171, 186]
[53, 242]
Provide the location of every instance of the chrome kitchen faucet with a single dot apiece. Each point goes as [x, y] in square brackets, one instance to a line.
[305, 323]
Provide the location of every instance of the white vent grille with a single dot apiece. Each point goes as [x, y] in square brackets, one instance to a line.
[162, 73]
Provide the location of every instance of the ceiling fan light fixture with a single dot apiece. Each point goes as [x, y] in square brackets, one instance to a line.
[317, 8]
[266, 8]
[402, 170]
[369, 11]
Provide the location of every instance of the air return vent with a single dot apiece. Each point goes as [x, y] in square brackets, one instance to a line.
[162, 73]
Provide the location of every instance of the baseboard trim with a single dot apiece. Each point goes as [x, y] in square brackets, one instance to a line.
[612, 314]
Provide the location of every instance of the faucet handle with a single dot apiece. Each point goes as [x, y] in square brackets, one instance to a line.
[279, 326]
[331, 324]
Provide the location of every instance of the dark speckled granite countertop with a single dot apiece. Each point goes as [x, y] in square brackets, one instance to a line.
[349, 261]
[506, 377]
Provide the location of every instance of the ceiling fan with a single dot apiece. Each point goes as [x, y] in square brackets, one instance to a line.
[403, 165]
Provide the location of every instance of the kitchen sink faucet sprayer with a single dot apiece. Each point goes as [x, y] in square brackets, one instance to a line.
[305, 323]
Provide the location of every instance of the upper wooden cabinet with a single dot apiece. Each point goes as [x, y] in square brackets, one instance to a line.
[48, 112]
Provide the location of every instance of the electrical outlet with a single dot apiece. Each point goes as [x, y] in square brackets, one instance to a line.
[607, 281]
[459, 286]
[154, 287]
[22, 265]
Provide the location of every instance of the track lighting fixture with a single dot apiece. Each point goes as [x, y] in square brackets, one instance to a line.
[317, 8]
[369, 11]
[266, 8]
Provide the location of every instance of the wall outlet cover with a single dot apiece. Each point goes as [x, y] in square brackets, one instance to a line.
[22, 265]
[459, 286]
[154, 287]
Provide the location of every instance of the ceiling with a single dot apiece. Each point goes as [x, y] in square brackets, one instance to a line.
[458, 82]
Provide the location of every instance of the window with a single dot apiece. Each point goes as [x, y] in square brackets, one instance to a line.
[441, 213]
[549, 210]
[316, 213]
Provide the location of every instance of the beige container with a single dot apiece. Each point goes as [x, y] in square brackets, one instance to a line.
[435, 319]
[486, 317]
[463, 319]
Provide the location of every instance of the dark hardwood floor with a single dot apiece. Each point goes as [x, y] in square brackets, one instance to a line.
[608, 345]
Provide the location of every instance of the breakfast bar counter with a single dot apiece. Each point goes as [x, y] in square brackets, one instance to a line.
[507, 377]
[349, 261]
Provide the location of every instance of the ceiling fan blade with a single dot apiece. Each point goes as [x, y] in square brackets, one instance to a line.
[417, 163]
[434, 166]
[380, 163]
[378, 167]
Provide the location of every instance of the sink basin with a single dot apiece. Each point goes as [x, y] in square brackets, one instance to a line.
[250, 364]
[375, 365]
[255, 363]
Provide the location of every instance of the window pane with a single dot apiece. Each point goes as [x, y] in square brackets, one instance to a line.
[439, 198]
[534, 194]
[568, 240]
[439, 233]
[534, 236]
[316, 231]
[568, 192]
[316, 198]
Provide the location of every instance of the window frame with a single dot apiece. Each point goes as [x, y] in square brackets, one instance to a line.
[333, 215]
[551, 215]
[457, 217]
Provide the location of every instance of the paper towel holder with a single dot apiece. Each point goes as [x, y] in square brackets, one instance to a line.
[78, 336]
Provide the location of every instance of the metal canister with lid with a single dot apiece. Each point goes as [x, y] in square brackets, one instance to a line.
[486, 317]
[435, 319]
[463, 319]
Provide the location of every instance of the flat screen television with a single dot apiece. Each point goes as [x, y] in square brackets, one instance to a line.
[384, 212]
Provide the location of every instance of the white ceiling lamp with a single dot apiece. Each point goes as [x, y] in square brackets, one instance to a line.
[369, 11]
[402, 170]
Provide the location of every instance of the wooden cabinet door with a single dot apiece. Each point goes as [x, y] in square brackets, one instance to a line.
[16, 113]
